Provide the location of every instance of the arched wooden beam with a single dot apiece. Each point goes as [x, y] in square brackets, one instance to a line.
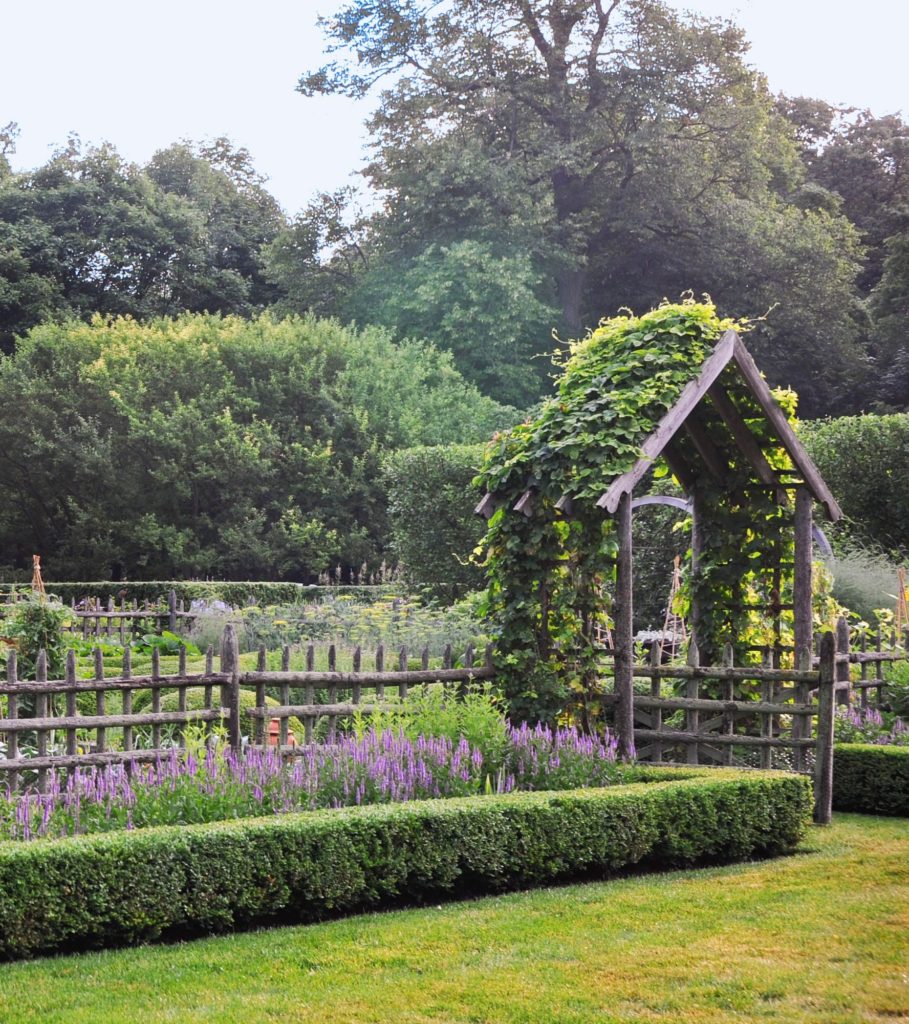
[662, 499]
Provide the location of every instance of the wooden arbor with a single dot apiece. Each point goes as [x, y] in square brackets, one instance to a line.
[699, 434]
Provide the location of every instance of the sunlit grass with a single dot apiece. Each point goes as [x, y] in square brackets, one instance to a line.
[822, 936]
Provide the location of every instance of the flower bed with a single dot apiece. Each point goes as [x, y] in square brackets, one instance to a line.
[210, 783]
[131, 886]
[869, 725]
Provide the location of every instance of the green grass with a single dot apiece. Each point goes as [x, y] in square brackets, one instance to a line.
[815, 938]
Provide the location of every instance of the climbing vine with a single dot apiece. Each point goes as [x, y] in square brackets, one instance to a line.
[550, 562]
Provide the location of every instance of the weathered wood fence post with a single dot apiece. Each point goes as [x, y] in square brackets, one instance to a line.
[624, 635]
[230, 689]
[823, 764]
[172, 611]
[843, 640]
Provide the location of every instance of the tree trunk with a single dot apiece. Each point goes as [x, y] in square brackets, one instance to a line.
[570, 285]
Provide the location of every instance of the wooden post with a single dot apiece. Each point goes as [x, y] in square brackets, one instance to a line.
[356, 689]
[801, 597]
[12, 711]
[767, 719]
[230, 691]
[694, 611]
[624, 635]
[310, 693]
[41, 711]
[126, 671]
[823, 763]
[284, 726]
[172, 611]
[657, 713]
[262, 725]
[100, 702]
[402, 667]
[843, 696]
[332, 693]
[380, 667]
[692, 716]
[156, 695]
[728, 694]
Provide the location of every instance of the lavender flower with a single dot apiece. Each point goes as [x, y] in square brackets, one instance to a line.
[379, 767]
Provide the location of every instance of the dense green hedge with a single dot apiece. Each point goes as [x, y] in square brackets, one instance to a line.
[238, 594]
[863, 460]
[114, 888]
[431, 498]
[871, 779]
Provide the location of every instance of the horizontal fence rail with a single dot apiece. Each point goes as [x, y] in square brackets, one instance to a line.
[719, 728]
[44, 726]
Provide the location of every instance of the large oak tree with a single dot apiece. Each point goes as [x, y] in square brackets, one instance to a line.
[630, 151]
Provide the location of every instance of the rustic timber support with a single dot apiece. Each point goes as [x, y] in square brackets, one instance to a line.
[230, 689]
[842, 676]
[624, 632]
[823, 765]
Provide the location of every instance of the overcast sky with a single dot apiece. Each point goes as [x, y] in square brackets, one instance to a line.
[142, 76]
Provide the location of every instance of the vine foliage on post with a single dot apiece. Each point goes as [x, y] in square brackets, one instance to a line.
[549, 571]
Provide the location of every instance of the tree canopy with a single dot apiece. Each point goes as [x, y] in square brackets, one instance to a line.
[88, 233]
[214, 446]
[625, 151]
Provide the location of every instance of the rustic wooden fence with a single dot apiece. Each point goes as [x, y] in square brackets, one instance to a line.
[43, 730]
[722, 729]
[56, 735]
[124, 620]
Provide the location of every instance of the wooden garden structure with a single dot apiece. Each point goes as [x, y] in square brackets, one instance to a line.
[703, 431]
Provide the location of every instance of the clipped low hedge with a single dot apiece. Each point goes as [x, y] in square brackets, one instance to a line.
[238, 594]
[871, 779]
[116, 888]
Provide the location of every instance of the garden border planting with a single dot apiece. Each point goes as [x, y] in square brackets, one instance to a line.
[177, 881]
[871, 779]
[237, 593]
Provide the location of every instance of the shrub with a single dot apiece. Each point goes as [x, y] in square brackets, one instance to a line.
[869, 725]
[896, 692]
[431, 498]
[871, 779]
[863, 581]
[475, 714]
[37, 624]
[236, 594]
[172, 882]
[863, 460]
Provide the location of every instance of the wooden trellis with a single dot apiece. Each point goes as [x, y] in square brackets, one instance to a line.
[703, 422]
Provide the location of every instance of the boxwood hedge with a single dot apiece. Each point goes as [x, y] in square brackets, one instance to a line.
[177, 881]
[238, 594]
[871, 779]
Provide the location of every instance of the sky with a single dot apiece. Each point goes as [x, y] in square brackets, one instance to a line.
[142, 76]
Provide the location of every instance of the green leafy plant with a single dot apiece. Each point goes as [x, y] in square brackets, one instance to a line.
[166, 642]
[475, 714]
[548, 573]
[37, 624]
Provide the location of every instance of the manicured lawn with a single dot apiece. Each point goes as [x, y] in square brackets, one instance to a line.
[822, 936]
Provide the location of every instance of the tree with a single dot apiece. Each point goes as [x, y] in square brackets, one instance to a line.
[612, 142]
[889, 305]
[480, 306]
[214, 446]
[222, 269]
[864, 161]
[90, 233]
[317, 259]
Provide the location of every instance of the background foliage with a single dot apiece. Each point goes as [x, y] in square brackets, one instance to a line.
[433, 529]
[207, 446]
[864, 460]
